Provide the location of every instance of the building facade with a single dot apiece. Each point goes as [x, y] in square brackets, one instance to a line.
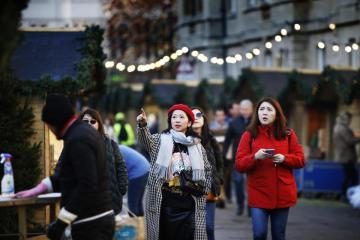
[269, 33]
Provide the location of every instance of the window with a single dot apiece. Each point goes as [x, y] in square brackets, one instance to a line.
[353, 59]
[268, 58]
[283, 58]
[192, 7]
[231, 7]
[320, 58]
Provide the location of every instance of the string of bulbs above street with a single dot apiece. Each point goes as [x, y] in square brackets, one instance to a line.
[231, 59]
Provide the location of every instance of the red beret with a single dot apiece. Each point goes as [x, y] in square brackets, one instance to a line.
[184, 108]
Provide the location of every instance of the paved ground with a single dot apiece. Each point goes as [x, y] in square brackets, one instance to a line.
[309, 220]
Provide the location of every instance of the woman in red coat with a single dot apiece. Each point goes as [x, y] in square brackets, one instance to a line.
[268, 152]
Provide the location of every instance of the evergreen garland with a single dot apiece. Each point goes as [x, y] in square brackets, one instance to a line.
[332, 78]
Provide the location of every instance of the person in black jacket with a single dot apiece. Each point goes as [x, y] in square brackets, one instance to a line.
[214, 156]
[116, 162]
[233, 136]
[80, 175]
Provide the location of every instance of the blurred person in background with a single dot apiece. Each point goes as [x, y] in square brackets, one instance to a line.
[214, 156]
[116, 164]
[345, 150]
[138, 170]
[232, 138]
[123, 130]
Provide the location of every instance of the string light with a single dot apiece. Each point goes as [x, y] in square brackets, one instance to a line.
[355, 46]
[321, 45]
[256, 51]
[238, 57]
[283, 32]
[184, 49]
[335, 48]
[121, 67]
[249, 55]
[131, 68]
[278, 38]
[268, 45]
[213, 60]
[332, 26]
[173, 56]
[109, 64]
[220, 61]
[194, 53]
[348, 49]
[228, 59]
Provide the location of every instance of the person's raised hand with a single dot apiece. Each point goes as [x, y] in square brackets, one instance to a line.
[141, 118]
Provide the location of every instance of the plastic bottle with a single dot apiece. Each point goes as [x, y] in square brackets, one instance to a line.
[7, 182]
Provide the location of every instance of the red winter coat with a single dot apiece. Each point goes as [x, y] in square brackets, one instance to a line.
[270, 186]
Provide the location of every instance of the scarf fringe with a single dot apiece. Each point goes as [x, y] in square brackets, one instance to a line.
[198, 175]
[161, 171]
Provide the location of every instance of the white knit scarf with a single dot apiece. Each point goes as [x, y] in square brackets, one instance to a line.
[166, 150]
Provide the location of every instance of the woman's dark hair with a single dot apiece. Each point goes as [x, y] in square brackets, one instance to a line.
[279, 122]
[205, 130]
[189, 131]
[95, 115]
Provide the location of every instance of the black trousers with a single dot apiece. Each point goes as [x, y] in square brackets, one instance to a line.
[351, 177]
[177, 217]
[99, 229]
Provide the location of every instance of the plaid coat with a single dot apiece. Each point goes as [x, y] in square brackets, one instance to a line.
[153, 194]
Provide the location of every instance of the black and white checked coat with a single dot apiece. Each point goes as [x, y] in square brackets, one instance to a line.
[153, 195]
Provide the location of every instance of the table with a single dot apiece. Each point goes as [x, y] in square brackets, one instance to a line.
[22, 204]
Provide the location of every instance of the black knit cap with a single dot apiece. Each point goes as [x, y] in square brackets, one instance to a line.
[57, 110]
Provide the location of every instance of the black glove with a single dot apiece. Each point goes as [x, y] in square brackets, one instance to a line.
[56, 230]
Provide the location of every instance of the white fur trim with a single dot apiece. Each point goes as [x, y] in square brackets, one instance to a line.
[66, 216]
[48, 184]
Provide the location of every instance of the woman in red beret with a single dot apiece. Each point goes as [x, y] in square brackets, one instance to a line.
[179, 178]
[268, 152]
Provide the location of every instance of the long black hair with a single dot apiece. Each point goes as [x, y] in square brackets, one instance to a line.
[205, 130]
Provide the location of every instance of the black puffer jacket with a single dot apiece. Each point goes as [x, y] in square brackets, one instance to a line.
[215, 159]
[118, 174]
[81, 174]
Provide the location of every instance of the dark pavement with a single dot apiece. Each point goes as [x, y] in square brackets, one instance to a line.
[309, 220]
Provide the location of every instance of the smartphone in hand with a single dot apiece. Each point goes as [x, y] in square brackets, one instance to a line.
[270, 151]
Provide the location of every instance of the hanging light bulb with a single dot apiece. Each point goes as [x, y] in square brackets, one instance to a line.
[348, 49]
[131, 68]
[109, 64]
[249, 56]
[220, 61]
[184, 49]
[283, 32]
[268, 45]
[238, 57]
[297, 27]
[278, 38]
[332, 26]
[321, 45]
[335, 47]
[355, 46]
[173, 56]
[213, 60]
[256, 51]
[194, 53]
